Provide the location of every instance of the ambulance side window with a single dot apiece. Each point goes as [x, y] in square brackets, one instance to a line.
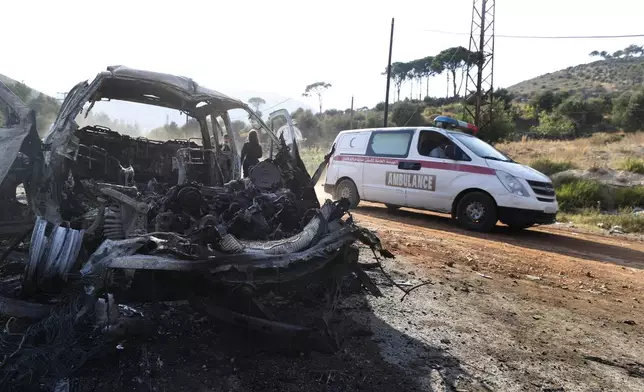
[432, 144]
[394, 144]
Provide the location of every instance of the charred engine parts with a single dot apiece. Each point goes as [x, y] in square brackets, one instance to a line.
[121, 217]
[125, 216]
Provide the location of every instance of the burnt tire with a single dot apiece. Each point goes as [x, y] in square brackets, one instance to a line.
[476, 211]
[347, 189]
[392, 207]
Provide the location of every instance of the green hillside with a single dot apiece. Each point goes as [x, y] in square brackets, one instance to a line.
[610, 76]
[12, 82]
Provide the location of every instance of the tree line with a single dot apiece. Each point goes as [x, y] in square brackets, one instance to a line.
[449, 60]
[417, 71]
[627, 52]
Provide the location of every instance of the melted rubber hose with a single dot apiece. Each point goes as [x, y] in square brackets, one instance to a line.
[292, 244]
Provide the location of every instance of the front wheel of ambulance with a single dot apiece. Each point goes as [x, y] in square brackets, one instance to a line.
[347, 189]
[476, 211]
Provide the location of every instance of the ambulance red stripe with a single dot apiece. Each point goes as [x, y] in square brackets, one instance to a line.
[425, 164]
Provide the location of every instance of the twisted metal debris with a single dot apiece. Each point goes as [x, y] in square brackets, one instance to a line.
[120, 219]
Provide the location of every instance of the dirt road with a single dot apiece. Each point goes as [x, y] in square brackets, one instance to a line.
[542, 310]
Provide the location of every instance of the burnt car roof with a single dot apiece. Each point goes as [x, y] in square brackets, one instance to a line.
[118, 82]
[154, 88]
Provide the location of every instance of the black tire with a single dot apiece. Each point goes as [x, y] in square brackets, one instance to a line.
[392, 207]
[476, 211]
[346, 188]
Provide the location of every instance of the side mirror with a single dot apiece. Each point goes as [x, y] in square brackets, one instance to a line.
[451, 152]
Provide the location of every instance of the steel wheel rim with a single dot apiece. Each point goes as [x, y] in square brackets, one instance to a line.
[345, 193]
[475, 211]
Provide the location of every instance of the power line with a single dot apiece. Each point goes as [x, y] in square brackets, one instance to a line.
[543, 36]
[571, 36]
[277, 104]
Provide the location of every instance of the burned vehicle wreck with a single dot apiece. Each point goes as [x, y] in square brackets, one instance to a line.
[113, 220]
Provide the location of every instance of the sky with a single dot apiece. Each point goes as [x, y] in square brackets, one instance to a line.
[278, 47]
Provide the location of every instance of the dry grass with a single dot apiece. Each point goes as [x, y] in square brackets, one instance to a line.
[602, 150]
[312, 157]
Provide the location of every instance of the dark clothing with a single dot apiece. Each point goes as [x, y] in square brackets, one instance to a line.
[250, 155]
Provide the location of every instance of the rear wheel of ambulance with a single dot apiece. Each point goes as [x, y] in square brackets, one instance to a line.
[347, 189]
[476, 211]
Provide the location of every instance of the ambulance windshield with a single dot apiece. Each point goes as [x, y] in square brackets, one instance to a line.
[479, 147]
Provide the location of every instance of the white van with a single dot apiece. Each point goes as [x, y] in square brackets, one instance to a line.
[441, 170]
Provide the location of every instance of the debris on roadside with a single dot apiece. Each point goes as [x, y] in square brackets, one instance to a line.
[616, 230]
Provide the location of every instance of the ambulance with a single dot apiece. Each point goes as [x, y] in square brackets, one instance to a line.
[444, 168]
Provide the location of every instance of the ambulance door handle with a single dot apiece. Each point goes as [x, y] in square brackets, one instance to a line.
[409, 165]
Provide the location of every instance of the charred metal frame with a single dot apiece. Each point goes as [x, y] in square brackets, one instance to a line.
[93, 241]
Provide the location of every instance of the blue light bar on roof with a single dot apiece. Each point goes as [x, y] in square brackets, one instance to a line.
[452, 123]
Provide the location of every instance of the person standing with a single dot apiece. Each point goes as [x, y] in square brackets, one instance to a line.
[226, 145]
[251, 152]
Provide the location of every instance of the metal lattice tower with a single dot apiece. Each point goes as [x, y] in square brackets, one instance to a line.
[479, 84]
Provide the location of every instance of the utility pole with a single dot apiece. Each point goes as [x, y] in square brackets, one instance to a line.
[391, 44]
[479, 85]
[351, 122]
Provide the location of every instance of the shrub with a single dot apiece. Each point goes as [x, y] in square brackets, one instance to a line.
[312, 157]
[576, 194]
[628, 111]
[527, 112]
[549, 167]
[501, 126]
[634, 165]
[548, 100]
[554, 124]
[407, 114]
[629, 196]
[374, 120]
[583, 111]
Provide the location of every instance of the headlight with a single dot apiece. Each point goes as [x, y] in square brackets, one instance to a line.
[511, 183]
